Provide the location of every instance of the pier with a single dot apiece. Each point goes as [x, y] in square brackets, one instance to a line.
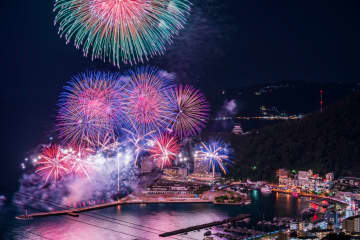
[70, 212]
[74, 212]
[206, 225]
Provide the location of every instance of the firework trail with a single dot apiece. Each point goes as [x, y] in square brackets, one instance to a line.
[216, 154]
[139, 140]
[165, 150]
[147, 105]
[53, 163]
[130, 31]
[191, 110]
[90, 108]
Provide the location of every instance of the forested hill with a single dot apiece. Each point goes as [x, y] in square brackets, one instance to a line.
[327, 141]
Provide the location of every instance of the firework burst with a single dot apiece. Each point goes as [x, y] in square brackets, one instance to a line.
[216, 154]
[147, 104]
[89, 108]
[165, 150]
[121, 30]
[80, 163]
[53, 163]
[191, 110]
[139, 140]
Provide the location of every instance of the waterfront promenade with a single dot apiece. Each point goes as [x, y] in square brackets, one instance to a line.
[333, 199]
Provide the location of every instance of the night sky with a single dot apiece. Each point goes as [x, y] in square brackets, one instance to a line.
[226, 44]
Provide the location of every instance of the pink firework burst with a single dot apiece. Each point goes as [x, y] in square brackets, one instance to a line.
[90, 108]
[191, 110]
[165, 150]
[148, 106]
[53, 163]
[117, 12]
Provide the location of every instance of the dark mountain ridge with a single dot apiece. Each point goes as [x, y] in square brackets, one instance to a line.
[324, 142]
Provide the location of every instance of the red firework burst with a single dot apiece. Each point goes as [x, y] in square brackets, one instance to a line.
[54, 163]
[79, 163]
[165, 150]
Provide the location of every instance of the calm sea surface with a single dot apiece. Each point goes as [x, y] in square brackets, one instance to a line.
[145, 221]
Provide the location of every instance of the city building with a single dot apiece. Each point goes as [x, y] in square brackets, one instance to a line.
[351, 224]
[175, 173]
[301, 229]
[169, 189]
[321, 233]
[303, 177]
[294, 226]
[201, 170]
[329, 177]
[237, 130]
[200, 166]
[146, 165]
[306, 181]
[283, 176]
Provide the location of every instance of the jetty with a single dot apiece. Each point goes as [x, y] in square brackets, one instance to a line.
[206, 225]
[74, 212]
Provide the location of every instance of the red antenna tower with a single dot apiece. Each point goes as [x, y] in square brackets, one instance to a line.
[321, 100]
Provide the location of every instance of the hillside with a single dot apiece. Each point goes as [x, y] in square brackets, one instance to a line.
[328, 141]
[291, 97]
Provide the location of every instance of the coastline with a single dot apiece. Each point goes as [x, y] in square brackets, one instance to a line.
[311, 196]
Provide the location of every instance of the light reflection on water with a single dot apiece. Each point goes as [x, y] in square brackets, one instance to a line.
[147, 221]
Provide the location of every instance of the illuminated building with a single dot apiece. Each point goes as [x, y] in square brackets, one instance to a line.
[283, 176]
[294, 226]
[201, 170]
[321, 233]
[351, 224]
[303, 177]
[175, 172]
[301, 230]
[329, 177]
[200, 166]
[237, 130]
[146, 165]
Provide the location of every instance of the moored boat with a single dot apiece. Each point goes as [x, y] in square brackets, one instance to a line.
[266, 189]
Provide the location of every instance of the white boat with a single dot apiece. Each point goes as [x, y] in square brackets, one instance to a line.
[265, 190]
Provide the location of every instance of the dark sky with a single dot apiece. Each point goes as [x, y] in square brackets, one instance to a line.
[226, 44]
